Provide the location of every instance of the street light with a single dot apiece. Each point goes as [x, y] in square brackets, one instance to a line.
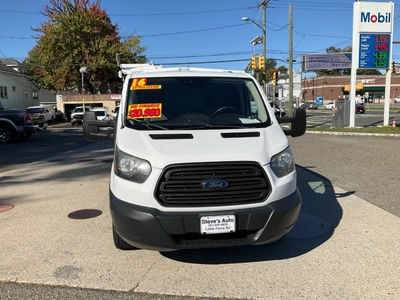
[83, 71]
[264, 40]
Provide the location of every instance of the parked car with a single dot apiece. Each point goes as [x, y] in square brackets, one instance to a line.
[330, 105]
[279, 111]
[77, 114]
[38, 116]
[360, 108]
[48, 112]
[102, 113]
[115, 112]
[397, 99]
[309, 105]
[295, 104]
[15, 123]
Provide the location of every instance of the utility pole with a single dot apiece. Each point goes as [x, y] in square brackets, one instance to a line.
[264, 26]
[290, 61]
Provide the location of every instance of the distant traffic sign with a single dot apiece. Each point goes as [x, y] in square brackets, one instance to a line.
[327, 61]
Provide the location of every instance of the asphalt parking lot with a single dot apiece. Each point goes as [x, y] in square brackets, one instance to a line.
[345, 245]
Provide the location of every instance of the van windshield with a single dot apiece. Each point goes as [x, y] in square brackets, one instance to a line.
[194, 102]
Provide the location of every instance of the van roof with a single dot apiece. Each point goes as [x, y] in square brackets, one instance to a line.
[174, 71]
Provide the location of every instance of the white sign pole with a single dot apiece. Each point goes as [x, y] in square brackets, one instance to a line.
[371, 18]
[388, 83]
[354, 63]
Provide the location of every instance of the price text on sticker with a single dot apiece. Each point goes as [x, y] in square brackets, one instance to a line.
[145, 110]
[141, 84]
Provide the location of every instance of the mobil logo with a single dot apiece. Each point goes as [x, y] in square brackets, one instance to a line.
[368, 17]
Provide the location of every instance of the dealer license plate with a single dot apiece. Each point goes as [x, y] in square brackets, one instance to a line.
[217, 224]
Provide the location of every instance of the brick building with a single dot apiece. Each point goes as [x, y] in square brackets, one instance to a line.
[331, 88]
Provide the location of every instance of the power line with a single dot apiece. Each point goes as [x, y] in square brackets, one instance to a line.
[146, 14]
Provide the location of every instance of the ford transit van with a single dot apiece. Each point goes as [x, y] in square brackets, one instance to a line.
[200, 160]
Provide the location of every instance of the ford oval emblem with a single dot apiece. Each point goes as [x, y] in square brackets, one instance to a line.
[214, 184]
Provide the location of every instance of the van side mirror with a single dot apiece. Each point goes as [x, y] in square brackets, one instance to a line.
[95, 130]
[298, 123]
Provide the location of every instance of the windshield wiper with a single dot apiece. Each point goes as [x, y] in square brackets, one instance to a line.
[150, 125]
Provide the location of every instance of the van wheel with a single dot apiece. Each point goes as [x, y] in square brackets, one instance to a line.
[120, 243]
[7, 134]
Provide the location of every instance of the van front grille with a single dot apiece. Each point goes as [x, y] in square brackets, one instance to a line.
[183, 185]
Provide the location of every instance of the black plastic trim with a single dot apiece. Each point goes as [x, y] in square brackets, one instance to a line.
[152, 229]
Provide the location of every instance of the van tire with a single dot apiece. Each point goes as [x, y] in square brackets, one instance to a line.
[120, 243]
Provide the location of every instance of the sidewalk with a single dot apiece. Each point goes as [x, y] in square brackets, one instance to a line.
[342, 247]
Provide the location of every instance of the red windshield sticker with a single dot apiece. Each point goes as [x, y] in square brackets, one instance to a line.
[145, 110]
[141, 84]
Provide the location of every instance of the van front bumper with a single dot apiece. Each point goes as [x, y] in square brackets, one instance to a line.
[152, 229]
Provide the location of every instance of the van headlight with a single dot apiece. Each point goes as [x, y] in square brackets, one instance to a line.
[282, 163]
[130, 167]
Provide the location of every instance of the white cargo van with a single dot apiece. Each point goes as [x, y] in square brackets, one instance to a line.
[200, 160]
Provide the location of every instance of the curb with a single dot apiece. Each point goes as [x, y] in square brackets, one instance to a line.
[353, 133]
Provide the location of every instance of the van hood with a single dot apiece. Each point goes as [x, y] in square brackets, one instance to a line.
[162, 148]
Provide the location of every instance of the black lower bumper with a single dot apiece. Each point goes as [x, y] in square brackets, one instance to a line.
[28, 128]
[152, 229]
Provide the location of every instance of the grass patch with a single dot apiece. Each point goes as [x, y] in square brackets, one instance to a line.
[365, 130]
[382, 108]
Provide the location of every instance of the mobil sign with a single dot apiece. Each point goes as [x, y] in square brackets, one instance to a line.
[375, 17]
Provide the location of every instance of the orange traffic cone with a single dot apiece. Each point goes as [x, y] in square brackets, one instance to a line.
[394, 127]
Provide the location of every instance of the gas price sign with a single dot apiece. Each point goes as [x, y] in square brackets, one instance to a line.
[374, 51]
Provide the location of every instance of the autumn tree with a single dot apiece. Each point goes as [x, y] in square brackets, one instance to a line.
[79, 34]
[270, 67]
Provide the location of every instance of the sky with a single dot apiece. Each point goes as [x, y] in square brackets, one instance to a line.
[206, 33]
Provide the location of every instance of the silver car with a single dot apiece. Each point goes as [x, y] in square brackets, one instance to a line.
[309, 105]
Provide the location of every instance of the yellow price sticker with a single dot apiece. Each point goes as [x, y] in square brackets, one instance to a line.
[141, 84]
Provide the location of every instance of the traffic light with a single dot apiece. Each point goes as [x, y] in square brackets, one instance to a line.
[253, 63]
[261, 62]
[393, 67]
[274, 77]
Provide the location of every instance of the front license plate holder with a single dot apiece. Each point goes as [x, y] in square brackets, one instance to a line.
[217, 224]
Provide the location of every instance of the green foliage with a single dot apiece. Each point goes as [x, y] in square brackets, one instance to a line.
[338, 72]
[270, 66]
[79, 34]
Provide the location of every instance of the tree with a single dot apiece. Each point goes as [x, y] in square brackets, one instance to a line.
[270, 66]
[338, 72]
[79, 34]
